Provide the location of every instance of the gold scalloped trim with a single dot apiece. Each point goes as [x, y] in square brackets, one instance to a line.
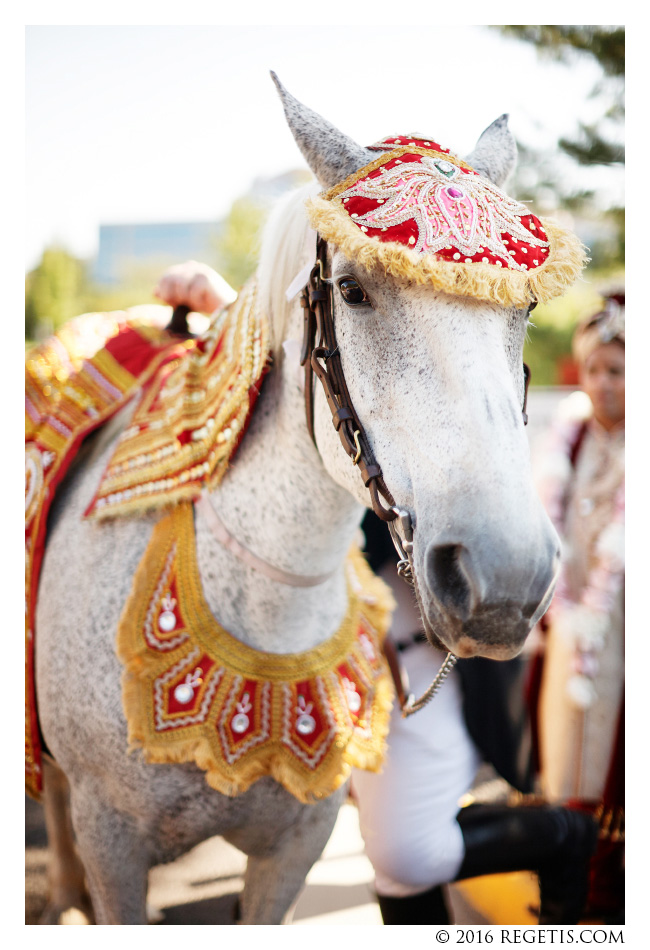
[506, 287]
[370, 603]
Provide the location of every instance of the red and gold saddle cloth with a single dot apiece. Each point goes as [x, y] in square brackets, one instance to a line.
[195, 400]
[193, 693]
[423, 214]
[74, 382]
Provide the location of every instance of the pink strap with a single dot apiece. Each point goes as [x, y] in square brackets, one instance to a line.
[205, 508]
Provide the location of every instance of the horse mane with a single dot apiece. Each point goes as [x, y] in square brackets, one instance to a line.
[283, 253]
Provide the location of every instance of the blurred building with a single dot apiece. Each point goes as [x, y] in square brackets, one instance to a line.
[125, 249]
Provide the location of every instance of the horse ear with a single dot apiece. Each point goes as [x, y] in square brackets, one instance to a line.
[330, 154]
[495, 153]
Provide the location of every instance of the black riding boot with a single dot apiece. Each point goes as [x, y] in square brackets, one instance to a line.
[555, 842]
[426, 908]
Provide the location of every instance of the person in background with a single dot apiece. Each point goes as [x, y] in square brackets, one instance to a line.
[579, 679]
[416, 835]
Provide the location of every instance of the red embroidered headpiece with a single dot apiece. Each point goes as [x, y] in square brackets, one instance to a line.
[426, 215]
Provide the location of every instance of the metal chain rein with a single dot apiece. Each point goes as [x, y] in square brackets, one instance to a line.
[404, 550]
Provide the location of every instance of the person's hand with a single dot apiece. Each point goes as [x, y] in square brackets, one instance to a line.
[196, 286]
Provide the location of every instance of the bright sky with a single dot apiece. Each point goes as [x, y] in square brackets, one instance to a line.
[164, 123]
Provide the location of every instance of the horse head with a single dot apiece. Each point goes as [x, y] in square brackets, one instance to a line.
[431, 344]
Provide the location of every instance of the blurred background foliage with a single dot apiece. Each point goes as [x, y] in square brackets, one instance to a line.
[61, 286]
[537, 180]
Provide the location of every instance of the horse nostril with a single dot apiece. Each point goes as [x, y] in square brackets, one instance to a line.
[448, 580]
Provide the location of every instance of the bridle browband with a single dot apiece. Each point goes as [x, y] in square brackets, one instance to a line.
[320, 357]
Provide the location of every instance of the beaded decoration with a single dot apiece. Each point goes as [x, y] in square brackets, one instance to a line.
[421, 213]
[193, 693]
[192, 418]
[74, 382]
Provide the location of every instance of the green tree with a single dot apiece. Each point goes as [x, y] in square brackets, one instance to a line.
[595, 144]
[237, 249]
[601, 143]
[540, 178]
[52, 292]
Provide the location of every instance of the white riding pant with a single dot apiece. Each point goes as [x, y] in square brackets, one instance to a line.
[407, 812]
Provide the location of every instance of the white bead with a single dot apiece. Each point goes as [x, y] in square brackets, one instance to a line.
[240, 723]
[305, 724]
[354, 700]
[167, 621]
[183, 693]
[586, 506]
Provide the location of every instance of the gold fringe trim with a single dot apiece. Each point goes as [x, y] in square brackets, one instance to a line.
[359, 745]
[506, 287]
[308, 787]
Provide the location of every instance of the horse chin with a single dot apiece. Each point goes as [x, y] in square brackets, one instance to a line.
[498, 633]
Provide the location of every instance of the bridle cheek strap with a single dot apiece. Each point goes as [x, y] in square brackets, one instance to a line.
[320, 357]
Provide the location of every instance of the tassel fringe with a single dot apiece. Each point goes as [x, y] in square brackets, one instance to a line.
[484, 281]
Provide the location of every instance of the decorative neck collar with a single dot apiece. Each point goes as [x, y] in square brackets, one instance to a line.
[194, 693]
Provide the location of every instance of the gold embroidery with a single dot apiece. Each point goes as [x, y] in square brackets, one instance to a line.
[193, 693]
[191, 419]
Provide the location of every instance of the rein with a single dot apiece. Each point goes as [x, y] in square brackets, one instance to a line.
[321, 358]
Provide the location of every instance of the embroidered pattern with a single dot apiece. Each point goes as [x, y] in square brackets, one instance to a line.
[424, 214]
[74, 382]
[446, 210]
[192, 418]
[305, 719]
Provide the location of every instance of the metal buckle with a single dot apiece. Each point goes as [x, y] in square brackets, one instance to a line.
[357, 446]
[404, 547]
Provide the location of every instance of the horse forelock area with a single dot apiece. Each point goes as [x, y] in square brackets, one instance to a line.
[284, 252]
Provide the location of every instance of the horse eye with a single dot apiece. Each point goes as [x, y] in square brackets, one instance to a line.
[352, 292]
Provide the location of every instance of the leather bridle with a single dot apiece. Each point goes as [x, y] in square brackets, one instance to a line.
[321, 358]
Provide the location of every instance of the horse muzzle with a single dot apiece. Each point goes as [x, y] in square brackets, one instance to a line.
[484, 600]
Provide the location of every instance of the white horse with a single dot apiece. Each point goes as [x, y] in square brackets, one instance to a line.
[437, 381]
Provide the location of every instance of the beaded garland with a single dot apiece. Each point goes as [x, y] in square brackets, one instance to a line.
[193, 693]
[422, 213]
[191, 420]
